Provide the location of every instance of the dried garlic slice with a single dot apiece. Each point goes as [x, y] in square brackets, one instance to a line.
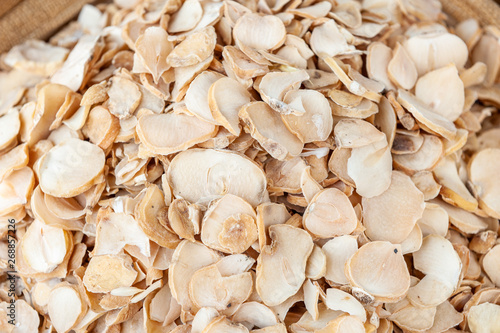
[266, 126]
[45, 247]
[330, 214]
[186, 18]
[10, 125]
[168, 133]
[434, 50]
[215, 173]
[392, 215]
[483, 174]
[226, 97]
[229, 225]
[209, 288]
[380, 270]
[442, 266]
[197, 47]
[281, 266]
[107, 272]
[316, 122]
[337, 251]
[259, 32]
[66, 307]
[431, 120]
[70, 168]
[443, 90]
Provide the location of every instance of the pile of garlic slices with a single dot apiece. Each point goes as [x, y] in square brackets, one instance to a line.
[207, 166]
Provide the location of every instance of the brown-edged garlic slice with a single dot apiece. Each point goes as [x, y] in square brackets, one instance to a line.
[66, 307]
[229, 225]
[42, 212]
[70, 168]
[330, 214]
[266, 126]
[431, 120]
[226, 97]
[242, 66]
[204, 174]
[66, 208]
[392, 215]
[50, 98]
[424, 159]
[453, 190]
[281, 266]
[485, 180]
[168, 133]
[406, 142]
[380, 270]
[465, 221]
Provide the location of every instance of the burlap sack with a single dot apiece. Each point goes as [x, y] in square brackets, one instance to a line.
[487, 12]
[25, 19]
